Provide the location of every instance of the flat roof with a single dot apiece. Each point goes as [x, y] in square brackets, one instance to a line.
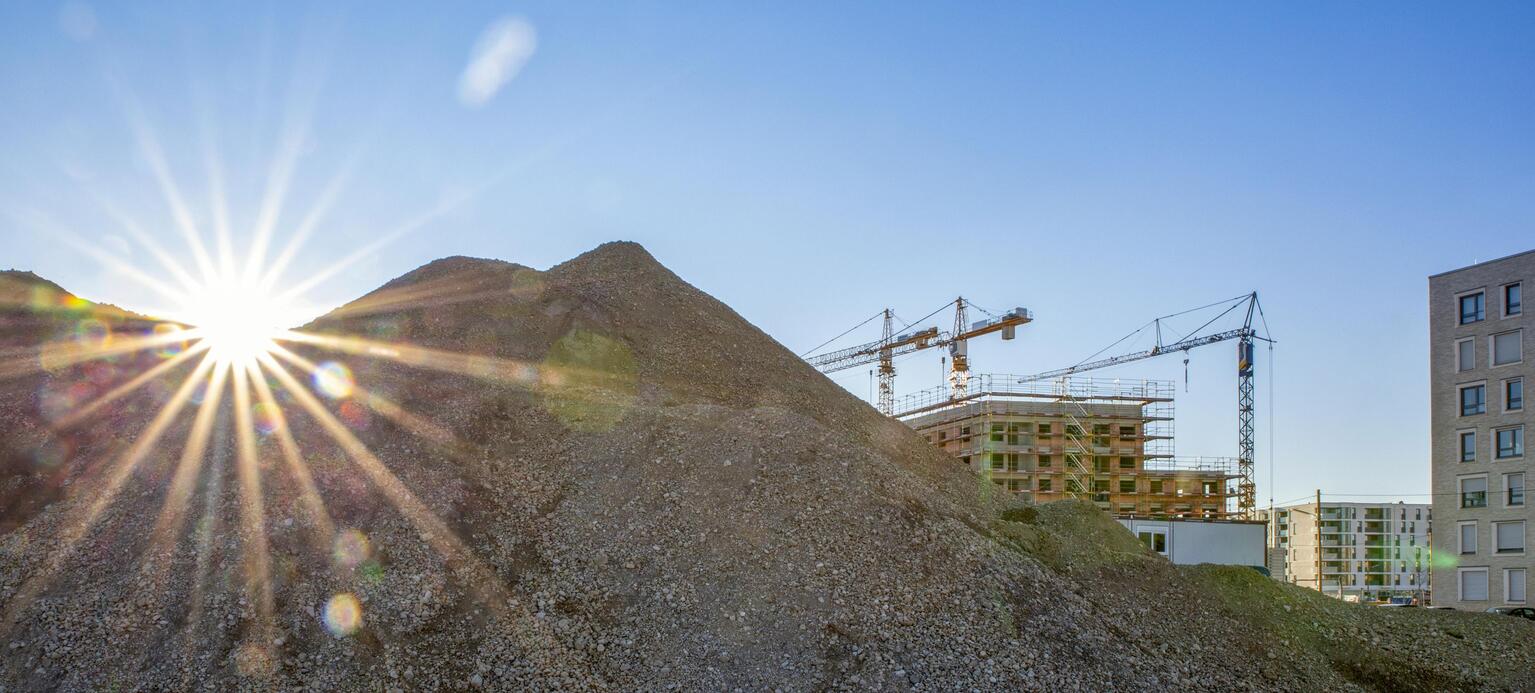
[1479, 264]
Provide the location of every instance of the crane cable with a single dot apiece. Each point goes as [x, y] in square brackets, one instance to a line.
[1142, 328]
[844, 334]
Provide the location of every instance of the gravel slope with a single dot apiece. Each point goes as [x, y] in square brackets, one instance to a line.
[633, 489]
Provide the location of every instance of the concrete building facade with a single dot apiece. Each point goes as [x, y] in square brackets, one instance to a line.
[1106, 441]
[1362, 551]
[1480, 349]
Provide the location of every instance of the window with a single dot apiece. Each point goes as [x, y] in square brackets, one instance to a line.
[1468, 446]
[1508, 537]
[1513, 490]
[1467, 538]
[1473, 400]
[1473, 492]
[1465, 354]
[1127, 463]
[1512, 305]
[1510, 442]
[1044, 484]
[1473, 584]
[1156, 540]
[1044, 430]
[1127, 432]
[1506, 348]
[1472, 308]
[998, 461]
[1127, 486]
[1513, 394]
[1513, 585]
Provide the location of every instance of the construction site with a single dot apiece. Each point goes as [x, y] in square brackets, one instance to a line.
[1056, 434]
[598, 477]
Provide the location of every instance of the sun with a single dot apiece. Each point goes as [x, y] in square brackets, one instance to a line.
[238, 319]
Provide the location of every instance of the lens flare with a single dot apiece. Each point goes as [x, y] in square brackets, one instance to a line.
[334, 380]
[355, 415]
[170, 349]
[91, 332]
[266, 418]
[351, 548]
[343, 615]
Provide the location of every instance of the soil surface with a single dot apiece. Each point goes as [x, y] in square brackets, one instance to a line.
[592, 477]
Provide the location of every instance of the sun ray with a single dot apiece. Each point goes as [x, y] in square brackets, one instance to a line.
[332, 190]
[304, 89]
[214, 167]
[492, 368]
[394, 234]
[181, 214]
[294, 459]
[169, 522]
[307, 225]
[207, 529]
[63, 353]
[258, 578]
[79, 415]
[46, 225]
[136, 230]
[394, 412]
[427, 294]
[83, 518]
[533, 635]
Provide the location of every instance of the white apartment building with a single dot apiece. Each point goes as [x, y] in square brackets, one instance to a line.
[1356, 551]
[1477, 342]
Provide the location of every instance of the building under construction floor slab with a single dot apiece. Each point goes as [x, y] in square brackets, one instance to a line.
[1108, 441]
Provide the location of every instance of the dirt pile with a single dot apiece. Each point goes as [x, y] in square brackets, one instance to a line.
[598, 477]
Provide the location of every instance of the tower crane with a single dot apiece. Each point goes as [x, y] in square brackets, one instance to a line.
[890, 345]
[1245, 336]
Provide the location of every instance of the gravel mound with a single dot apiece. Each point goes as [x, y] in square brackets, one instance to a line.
[614, 482]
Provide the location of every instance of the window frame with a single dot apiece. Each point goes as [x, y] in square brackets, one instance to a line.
[1142, 533]
[1460, 397]
[1460, 346]
[1460, 488]
[1508, 384]
[1508, 489]
[1460, 308]
[1492, 348]
[1460, 583]
[1518, 442]
[1460, 538]
[1497, 549]
[1460, 441]
[1524, 577]
[1517, 286]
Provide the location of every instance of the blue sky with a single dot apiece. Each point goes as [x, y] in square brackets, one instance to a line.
[811, 163]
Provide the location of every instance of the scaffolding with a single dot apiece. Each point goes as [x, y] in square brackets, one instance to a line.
[1073, 395]
[1113, 439]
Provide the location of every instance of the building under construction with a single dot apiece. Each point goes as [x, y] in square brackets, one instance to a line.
[1109, 441]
